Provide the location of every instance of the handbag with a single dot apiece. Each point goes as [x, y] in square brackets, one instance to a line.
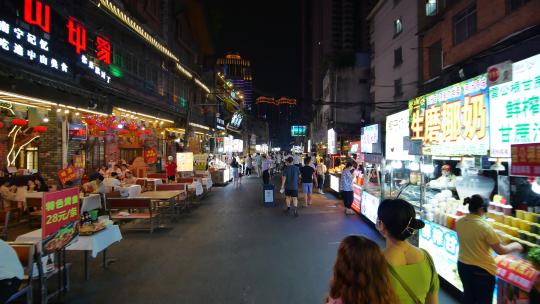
[409, 291]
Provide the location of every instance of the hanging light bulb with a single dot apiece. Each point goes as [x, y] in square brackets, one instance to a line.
[66, 111]
[58, 110]
[396, 164]
[45, 119]
[120, 126]
[414, 166]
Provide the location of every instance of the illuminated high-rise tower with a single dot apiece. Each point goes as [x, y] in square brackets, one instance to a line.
[238, 71]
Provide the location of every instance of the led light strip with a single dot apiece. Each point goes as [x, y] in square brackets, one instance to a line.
[137, 28]
[146, 36]
[199, 126]
[144, 115]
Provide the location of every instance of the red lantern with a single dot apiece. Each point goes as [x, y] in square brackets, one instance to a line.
[40, 129]
[147, 131]
[19, 122]
[132, 127]
[90, 121]
[123, 132]
[140, 132]
[1, 125]
[102, 129]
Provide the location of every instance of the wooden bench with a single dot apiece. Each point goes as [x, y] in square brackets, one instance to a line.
[144, 205]
[162, 176]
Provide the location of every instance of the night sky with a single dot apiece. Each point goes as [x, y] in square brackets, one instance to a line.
[265, 32]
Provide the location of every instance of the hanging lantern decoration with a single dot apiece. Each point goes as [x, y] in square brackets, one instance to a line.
[123, 132]
[90, 121]
[102, 128]
[1, 125]
[140, 132]
[19, 122]
[40, 129]
[147, 131]
[132, 127]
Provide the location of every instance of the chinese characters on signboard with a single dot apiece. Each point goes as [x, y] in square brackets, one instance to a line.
[525, 160]
[442, 243]
[32, 45]
[397, 136]
[370, 139]
[67, 174]
[60, 219]
[331, 142]
[515, 271]
[184, 162]
[453, 120]
[515, 108]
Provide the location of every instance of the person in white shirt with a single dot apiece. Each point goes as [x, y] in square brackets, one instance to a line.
[11, 271]
[112, 182]
[297, 160]
[321, 173]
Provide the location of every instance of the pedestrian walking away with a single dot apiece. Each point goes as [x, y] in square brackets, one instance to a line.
[308, 178]
[289, 185]
[235, 171]
[321, 172]
[346, 187]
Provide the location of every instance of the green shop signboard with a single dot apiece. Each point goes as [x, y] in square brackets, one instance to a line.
[515, 108]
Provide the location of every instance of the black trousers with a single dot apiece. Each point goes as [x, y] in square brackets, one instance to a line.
[8, 287]
[266, 177]
[478, 284]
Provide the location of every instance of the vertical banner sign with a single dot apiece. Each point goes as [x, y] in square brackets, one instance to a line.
[526, 160]
[453, 121]
[515, 107]
[331, 142]
[60, 219]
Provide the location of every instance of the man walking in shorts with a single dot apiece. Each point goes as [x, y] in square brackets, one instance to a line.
[308, 177]
[289, 185]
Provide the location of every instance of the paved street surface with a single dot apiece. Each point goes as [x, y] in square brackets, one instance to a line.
[229, 250]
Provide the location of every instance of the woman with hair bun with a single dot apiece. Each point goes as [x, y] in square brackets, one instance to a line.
[361, 274]
[414, 276]
[477, 241]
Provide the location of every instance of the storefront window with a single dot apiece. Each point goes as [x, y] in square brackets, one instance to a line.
[31, 158]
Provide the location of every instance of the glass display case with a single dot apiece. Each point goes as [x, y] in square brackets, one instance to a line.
[371, 190]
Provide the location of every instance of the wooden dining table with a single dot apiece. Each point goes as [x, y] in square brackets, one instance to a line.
[165, 196]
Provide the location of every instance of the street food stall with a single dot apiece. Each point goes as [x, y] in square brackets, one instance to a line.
[372, 161]
[335, 167]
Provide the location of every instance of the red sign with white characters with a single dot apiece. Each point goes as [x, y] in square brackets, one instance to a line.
[517, 272]
[60, 219]
[525, 160]
[150, 156]
[67, 174]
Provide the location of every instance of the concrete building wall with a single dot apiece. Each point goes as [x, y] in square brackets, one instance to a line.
[383, 43]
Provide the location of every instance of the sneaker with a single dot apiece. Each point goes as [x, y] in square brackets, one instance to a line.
[295, 212]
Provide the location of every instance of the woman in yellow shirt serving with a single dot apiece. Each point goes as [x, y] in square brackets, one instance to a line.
[477, 241]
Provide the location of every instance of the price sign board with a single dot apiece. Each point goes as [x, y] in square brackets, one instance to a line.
[67, 174]
[60, 219]
[184, 162]
[516, 271]
[526, 160]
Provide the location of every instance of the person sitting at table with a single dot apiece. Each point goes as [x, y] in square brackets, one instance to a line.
[41, 185]
[115, 168]
[8, 194]
[113, 181]
[31, 185]
[11, 271]
[124, 169]
[95, 185]
[129, 179]
[103, 170]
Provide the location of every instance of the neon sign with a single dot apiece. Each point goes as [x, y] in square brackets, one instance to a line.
[28, 46]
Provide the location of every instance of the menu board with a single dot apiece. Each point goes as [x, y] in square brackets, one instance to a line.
[397, 136]
[371, 139]
[184, 162]
[60, 219]
[517, 272]
[200, 161]
[452, 121]
[516, 107]
[526, 160]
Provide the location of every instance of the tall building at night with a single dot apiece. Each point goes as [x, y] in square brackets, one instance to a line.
[237, 70]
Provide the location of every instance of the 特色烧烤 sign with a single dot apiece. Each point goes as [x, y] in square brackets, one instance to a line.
[60, 219]
[454, 120]
[515, 108]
